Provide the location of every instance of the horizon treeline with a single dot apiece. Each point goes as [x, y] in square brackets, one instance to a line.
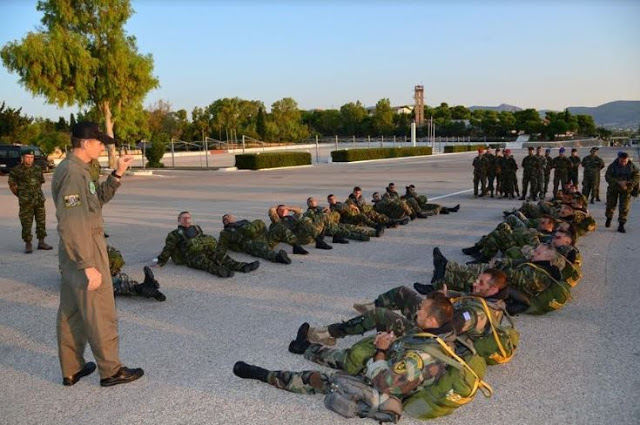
[228, 119]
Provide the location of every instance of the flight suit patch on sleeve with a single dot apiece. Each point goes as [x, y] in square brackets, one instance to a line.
[71, 201]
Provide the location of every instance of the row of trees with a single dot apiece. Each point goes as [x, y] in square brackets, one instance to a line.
[229, 118]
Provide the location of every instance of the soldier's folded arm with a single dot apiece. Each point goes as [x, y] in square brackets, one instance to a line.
[273, 215]
[73, 221]
[169, 245]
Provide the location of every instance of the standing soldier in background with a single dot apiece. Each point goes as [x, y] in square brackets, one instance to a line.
[561, 165]
[491, 169]
[591, 179]
[541, 164]
[530, 166]
[575, 165]
[623, 178]
[508, 175]
[548, 165]
[87, 308]
[498, 171]
[25, 181]
[479, 174]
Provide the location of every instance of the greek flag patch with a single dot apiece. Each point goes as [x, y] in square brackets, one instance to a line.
[71, 201]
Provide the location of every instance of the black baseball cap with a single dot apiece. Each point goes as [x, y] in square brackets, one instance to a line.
[90, 130]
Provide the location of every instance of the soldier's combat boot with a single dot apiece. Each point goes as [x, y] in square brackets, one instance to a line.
[606, 223]
[43, 245]
[321, 244]
[321, 336]
[454, 209]
[404, 221]
[148, 290]
[379, 230]
[364, 307]
[444, 211]
[249, 267]
[471, 250]
[301, 343]
[439, 265]
[247, 371]
[149, 278]
[282, 257]
[522, 198]
[423, 288]
[413, 216]
[421, 214]
[621, 228]
[340, 239]
[224, 272]
[592, 201]
[28, 248]
[491, 193]
[298, 249]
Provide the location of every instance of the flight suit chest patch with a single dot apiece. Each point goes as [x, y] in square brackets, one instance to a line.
[71, 201]
[92, 187]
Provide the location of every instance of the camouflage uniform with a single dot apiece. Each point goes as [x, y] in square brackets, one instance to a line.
[197, 250]
[392, 208]
[561, 165]
[498, 165]
[349, 215]
[491, 170]
[254, 239]
[479, 165]
[573, 171]
[367, 210]
[541, 281]
[615, 194]
[302, 227]
[325, 226]
[530, 173]
[591, 179]
[412, 206]
[508, 179]
[426, 207]
[26, 183]
[547, 166]
[504, 237]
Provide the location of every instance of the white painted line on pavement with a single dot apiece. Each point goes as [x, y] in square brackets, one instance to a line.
[450, 194]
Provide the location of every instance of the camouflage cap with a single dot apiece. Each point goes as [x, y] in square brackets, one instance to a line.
[28, 152]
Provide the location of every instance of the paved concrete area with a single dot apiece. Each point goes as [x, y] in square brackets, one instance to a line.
[575, 366]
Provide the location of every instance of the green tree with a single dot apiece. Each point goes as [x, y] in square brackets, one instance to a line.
[83, 56]
[261, 124]
[13, 125]
[528, 120]
[586, 125]
[382, 120]
[353, 117]
[460, 112]
[286, 121]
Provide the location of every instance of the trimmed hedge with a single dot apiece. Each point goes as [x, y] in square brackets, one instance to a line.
[349, 155]
[257, 161]
[470, 148]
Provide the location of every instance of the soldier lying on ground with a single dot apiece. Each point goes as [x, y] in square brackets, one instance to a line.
[356, 200]
[123, 285]
[302, 227]
[471, 318]
[189, 245]
[328, 223]
[427, 207]
[252, 237]
[396, 369]
[412, 206]
[350, 214]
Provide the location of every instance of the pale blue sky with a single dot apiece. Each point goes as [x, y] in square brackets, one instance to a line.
[542, 54]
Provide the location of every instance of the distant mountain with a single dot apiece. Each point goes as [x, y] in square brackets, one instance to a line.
[621, 114]
[503, 107]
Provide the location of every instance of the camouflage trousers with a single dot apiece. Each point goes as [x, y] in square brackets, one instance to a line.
[123, 284]
[427, 207]
[213, 260]
[304, 382]
[479, 180]
[29, 210]
[544, 186]
[460, 277]
[623, 199]
[303, 230]
[530, 179]
[394, 209]
[374, 215]
[504, 238]
[533, 210]
[490, 179]
[508, 184]
[279, 233]
[260, 249]
[357, 219]
[591, 185]
[325, 226]
[559, 178]
[573, 176]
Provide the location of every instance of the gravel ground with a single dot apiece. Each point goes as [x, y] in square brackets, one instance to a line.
[573, 366]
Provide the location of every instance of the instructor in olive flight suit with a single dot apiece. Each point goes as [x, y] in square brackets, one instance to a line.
[87, 308]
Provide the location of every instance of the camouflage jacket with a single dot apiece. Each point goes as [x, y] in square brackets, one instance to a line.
[491, 161]
[562, 164]
[391, 194]
[509, 165]
[592, 164]
[413, 361]
[479, 165]
[361, 203]
[26, 183]
[616, 173]
[530, 163]
[548, 164]
[472, 318]
[182, 242]
[234, 235]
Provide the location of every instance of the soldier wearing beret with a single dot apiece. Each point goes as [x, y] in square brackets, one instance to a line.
[623, 178]
[591, 180]
[25, 181]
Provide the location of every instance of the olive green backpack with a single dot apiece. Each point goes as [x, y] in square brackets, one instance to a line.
[116, 261]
